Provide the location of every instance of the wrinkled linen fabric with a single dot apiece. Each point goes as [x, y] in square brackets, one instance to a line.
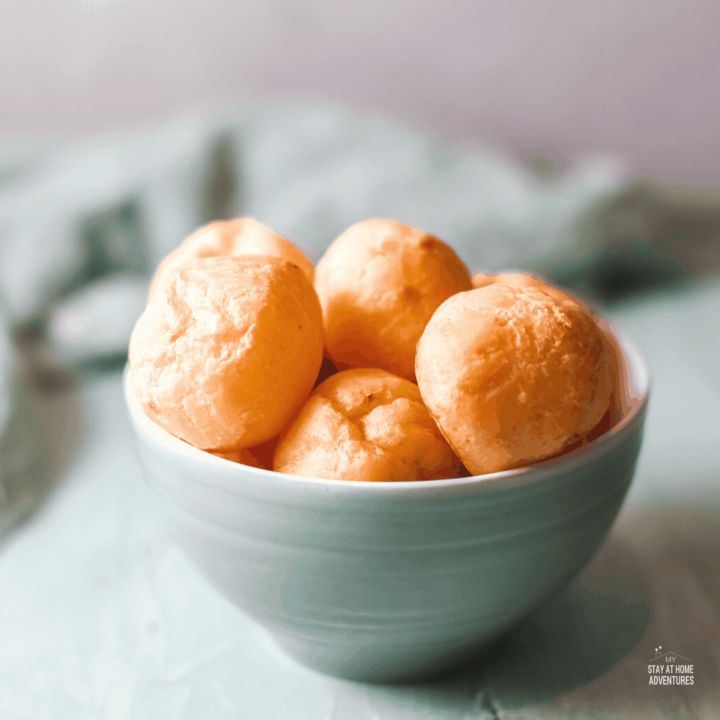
[73, 212]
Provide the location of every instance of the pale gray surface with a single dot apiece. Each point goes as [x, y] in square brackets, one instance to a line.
[103, 618]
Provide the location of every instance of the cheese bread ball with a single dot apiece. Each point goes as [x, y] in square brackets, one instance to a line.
[243, 236]
[379, 283]
[566, 299]
[512, 376]
[227, 349]
[366, 425]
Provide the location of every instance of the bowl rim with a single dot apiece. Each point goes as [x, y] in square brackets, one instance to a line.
[636, 385]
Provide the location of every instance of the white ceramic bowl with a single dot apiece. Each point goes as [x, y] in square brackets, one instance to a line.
[393, 581]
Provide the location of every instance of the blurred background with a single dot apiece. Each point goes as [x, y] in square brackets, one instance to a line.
[574, 140]
[633, 77]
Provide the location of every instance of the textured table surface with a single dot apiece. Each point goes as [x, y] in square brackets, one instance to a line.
[102, 618]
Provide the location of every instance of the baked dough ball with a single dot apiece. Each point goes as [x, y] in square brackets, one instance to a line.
[243, 236]
[566, 299]
[365, 425]
[512, 376]
[227, 349]
[613, 413]
[379, 283]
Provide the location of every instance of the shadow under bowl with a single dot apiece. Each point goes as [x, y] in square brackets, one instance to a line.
[391, 582]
